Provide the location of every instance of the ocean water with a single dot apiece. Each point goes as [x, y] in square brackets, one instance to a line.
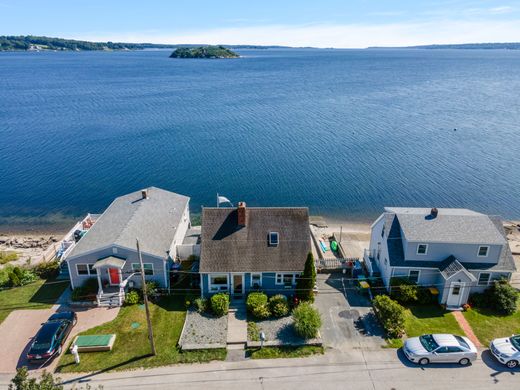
[345, 132]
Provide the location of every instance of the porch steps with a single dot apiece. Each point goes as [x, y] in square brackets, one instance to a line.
[109, 300]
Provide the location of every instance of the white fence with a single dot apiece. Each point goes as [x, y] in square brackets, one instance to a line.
[186, 250]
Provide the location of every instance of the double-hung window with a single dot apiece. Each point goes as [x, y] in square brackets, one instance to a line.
[256, 281]
[287, 280]
[483, 278]
[148, 268]
[82, 269]
[218, 282]
[483, 251]
[422, 249]
[413, 276]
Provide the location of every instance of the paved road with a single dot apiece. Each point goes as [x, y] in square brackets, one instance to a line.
[353, 369]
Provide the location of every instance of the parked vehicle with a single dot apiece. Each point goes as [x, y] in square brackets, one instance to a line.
[507, 350]
[49, 340]
[440, 348]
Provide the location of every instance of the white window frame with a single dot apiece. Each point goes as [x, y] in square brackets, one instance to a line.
[251, 280]
[218, 287]
[487, 251]
[91, 271]
[271, 243]
[88, 269]
[418, 274]
[484, 284]
[280, 276]
[425, 251]
[136, 267]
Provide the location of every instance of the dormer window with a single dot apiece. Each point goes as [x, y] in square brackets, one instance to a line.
[483, 251]
[422, 249]
[273, 238]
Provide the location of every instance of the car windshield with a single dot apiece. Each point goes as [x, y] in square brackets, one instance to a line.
[462, 342]
[428, 342]
[515, 342]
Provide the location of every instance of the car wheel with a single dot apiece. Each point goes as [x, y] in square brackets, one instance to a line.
[464, 362]
[424, 361]
[512, 364]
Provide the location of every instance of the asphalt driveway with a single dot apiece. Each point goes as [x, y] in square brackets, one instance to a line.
[348, 319]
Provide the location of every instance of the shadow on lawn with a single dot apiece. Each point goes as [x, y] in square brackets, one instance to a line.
[49, 292]
[85, 378]
[428, 311]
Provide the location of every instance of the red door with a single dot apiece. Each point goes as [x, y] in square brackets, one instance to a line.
[114, 275]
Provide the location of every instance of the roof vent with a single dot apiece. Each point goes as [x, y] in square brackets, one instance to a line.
[241, 211]
[433, 213]
[144, 194]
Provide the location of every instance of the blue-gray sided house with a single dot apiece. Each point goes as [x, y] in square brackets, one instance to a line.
[248, 249]
[107, 252]
[455, 251]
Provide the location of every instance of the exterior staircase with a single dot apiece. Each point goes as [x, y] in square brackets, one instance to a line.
[112, 299]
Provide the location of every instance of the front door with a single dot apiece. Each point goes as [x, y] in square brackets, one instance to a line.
[454, 295]
[238, 285]
[113, 273]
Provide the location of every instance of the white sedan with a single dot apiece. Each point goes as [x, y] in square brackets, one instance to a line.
[440, 348]
[507, 350]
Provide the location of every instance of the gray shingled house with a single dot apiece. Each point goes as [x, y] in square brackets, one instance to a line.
[246, 249]
[158, 218]
[454, 251]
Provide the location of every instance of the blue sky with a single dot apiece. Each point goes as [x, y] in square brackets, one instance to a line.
[320, 23]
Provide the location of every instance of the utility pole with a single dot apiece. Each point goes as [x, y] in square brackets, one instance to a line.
[145, 296]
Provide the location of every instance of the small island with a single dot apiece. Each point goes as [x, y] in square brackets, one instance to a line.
[204, 52]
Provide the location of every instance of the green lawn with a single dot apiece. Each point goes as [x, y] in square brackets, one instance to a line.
[131, 348]
[427, 319]
[40, 294]
[284, 352]
[488, 325]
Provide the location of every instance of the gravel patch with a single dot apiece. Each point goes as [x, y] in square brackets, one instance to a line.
[280, 331]
[203, 331]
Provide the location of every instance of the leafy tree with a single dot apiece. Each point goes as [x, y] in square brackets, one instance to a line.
[391, 315]
[21, 381]
[305, 284]
[503, 297]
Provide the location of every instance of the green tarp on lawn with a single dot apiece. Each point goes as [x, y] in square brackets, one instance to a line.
[93, 340]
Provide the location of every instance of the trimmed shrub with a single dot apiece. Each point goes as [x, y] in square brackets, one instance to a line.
[503, 297]
[257, 305]
[278, 305]
[305, 283]
[20, 276]
[152, 289]
[479, 300]
[47, 270]
[220, 304]
[403, 291]
[201, 304]
[391, 315]
[132, 298]
[307, 320]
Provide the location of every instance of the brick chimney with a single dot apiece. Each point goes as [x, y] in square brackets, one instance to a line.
[241, 211]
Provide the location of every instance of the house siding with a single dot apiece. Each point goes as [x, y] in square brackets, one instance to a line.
[467, 253]
[130, 256]
[269, 285]
[180, 232]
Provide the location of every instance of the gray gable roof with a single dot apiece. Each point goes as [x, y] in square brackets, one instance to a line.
[394, 242]
[459, 226]
[153, 221]
[228, 247]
